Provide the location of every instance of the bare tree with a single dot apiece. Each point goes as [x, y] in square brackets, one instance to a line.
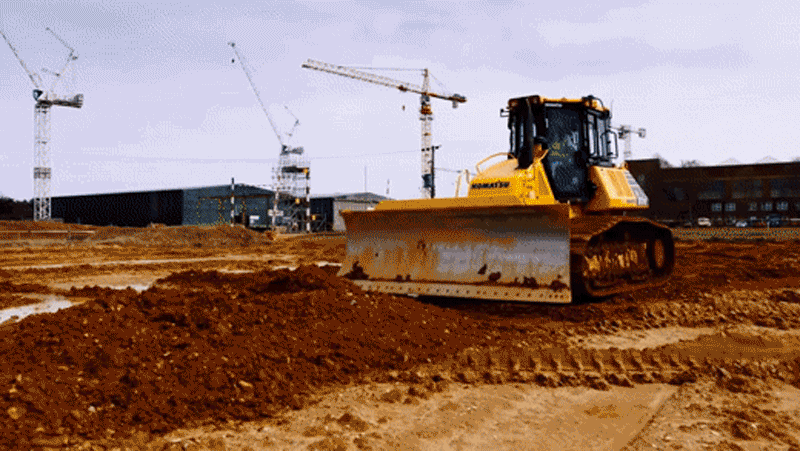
[691, 163]
[662, 162]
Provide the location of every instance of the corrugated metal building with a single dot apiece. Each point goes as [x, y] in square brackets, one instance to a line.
[723, 193]
[326, 208]
[185, 206]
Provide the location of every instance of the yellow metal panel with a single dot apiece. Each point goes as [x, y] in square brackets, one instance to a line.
[614, 191]
[529, 186]
[448, 202]
[543, 191]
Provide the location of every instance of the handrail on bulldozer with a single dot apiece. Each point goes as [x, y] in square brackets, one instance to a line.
[477, 165]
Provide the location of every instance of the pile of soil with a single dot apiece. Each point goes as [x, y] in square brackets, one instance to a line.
[10, 287]
[205, 346]
[310, 250]
[42, 225]
[13, 294]
[195, 236]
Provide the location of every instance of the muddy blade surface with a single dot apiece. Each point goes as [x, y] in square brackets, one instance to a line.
[518, 253]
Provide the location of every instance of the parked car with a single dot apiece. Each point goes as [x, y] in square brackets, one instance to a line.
[741, 223]
[703, 222]
[774, 221]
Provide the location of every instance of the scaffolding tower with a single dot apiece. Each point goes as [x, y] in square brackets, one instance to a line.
[290, 181]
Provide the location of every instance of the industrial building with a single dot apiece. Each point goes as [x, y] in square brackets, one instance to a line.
[325, 209]
[725, 194]
[184, 206]
[208, 205]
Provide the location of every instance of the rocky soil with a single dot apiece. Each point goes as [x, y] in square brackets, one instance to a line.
[223, 347]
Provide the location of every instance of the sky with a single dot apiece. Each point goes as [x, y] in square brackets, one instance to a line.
[167, 106]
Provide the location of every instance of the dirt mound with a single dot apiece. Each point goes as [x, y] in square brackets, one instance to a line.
[13, 294]
[265, 281]
[41, 225]
[196, 236]
[311, 248]
[10, 287]
[171, 357]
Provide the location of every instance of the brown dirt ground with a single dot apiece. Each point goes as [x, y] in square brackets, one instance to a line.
[207, 345]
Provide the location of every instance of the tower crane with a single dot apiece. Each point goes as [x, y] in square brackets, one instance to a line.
[425, 110]
[292, 174]
[45, 98]
[625, 132]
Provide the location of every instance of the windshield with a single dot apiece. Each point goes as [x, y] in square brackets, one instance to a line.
[563, 163]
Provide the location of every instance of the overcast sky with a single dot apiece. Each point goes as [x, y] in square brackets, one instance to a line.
[165, 107]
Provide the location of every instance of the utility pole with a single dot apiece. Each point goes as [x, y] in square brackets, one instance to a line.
[233, 202]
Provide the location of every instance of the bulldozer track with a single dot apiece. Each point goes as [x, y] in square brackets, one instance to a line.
[615, 254]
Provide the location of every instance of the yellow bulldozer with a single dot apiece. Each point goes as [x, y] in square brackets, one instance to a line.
[547, 223]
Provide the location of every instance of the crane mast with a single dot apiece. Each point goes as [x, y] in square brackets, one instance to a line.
[45, 99]
[425, 110]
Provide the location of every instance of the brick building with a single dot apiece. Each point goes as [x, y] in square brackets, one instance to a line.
[723, 193]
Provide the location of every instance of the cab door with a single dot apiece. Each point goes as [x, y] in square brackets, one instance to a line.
[564, 163]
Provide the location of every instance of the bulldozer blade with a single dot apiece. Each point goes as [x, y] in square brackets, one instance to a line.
[511, 253]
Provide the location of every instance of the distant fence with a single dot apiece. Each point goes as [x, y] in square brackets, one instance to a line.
[737, 233]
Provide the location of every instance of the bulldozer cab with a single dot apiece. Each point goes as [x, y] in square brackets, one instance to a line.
[575, 134]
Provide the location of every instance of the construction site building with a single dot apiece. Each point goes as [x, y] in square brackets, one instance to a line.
[725, 194]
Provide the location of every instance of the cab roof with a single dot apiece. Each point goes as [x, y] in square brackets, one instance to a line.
[589, 101]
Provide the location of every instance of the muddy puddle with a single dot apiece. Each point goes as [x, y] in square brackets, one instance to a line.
[136, 287]
[51, 303]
